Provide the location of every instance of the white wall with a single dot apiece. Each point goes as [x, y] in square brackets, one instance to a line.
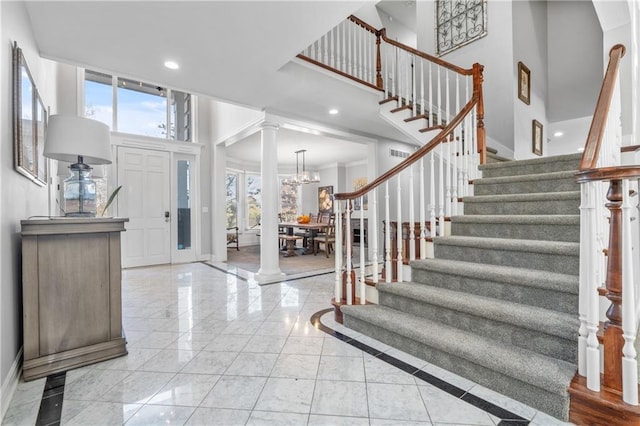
[397, 31]
[574, 136]
[19, 197]
[494, 51]
[228, 120]
[530, 47]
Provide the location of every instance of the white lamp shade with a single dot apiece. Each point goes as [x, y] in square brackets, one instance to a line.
[70, 136]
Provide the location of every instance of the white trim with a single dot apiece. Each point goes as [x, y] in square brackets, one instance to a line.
[148, 142]
[10, 384]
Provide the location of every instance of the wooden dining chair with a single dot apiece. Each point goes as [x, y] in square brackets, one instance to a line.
[328, 238]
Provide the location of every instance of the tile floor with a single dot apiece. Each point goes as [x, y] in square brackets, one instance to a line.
[208, 347]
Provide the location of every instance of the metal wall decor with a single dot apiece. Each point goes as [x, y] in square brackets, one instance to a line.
[29, 123]
[459, 22]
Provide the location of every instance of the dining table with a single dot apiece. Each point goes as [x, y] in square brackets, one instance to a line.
[312, 227]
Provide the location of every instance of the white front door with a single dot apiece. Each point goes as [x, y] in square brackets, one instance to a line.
[145, 200]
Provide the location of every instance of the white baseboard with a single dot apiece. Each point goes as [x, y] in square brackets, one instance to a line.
[10, 384]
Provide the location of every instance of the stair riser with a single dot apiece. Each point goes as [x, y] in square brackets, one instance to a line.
[564, 264]
[534, 341]
[568, 233]
[524, 187]
[510, 292]
[523, 207]
[531, 395]
[530, 169]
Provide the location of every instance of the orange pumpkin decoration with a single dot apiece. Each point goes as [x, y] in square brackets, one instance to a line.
[303, 218]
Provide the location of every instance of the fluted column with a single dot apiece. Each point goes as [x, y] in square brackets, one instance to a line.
[269, 260]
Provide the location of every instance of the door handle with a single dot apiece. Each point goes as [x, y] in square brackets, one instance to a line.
[167, 216]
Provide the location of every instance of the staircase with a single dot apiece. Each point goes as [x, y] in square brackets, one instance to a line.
[507, 316]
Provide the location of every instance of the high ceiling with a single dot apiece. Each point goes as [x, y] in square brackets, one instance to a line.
[236, 51]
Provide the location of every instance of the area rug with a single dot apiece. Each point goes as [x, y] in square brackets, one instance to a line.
[248, 258]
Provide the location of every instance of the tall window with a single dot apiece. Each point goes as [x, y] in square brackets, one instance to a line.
[98, 95]
[231, 183]
[254, 200]
[141, 108]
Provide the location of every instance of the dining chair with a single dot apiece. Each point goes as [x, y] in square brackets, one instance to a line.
[328, 238]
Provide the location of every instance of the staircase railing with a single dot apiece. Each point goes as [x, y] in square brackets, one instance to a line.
[607, 255]
[435, 90]
[450, 100]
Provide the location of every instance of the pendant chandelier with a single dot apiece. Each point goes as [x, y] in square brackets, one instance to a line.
[304, 177]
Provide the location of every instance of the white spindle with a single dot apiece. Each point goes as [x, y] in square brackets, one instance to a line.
[387, 234]
[589, 286]
[441, 190]
[363, 285]
[338, 253]
[412, 233]
[339, 49]
[421, 86]
[325, 50]
[432, 194]
[448, 162]
[373, 233]
[414, 96]
[349, 243]
[361, 54]
[423, 225]
[399, 260]
[350, 52]
[387, 72]
[438, 107]
[629, 320]
[430, 109]
[457, 135]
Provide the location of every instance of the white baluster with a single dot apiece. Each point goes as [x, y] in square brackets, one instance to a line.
[399, 260]
[423, 225]
[414, 96]
[432, 194]
[588, 284]
[439, 106]
[338, 253]
[387, 72]
[373, 234]
[325, 50]
[350, 52]
[629, 319]
[430, 109]
[339, 50]
[363, 285]
[421, 86]
[412, 233]
[457, 136]
[448, 163]
[349, 264]
[361, 54]
[387, 234]
[441, 190]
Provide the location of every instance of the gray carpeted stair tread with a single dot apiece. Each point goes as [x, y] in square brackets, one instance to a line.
[532, 246]
[537, 165]
[536, 196]
[529, 367]
[529, 317]
[523, 219]
[565, 283]
[533, 161]
[526, 178]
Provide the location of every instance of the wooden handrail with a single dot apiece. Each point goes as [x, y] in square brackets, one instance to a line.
[608, 173]
[443, 136]
[363, 24]
[596, 131]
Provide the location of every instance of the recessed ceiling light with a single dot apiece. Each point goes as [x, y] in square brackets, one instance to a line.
[333, 111]
[171, 65]
[558, 134]
[581, 149]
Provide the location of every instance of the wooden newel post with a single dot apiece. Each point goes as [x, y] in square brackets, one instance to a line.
[613, 340]
[378, 62]
[477, 88]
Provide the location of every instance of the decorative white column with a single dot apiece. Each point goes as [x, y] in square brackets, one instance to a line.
[269, 261]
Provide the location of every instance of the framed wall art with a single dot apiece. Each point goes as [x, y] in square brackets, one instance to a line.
[524, 83]
[29, 123]
[459, 22]
[537, 137]
[325, 199]
[357, 204]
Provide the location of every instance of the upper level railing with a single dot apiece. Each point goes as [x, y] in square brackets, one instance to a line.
[435, 90]
[608, 258]
[450, 100]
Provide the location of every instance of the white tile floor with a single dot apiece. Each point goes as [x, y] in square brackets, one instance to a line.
[209, 348]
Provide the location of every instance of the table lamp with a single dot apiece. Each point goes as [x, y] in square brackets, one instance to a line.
[76, 140]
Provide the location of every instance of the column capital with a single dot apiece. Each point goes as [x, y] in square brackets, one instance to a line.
[269, 125]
